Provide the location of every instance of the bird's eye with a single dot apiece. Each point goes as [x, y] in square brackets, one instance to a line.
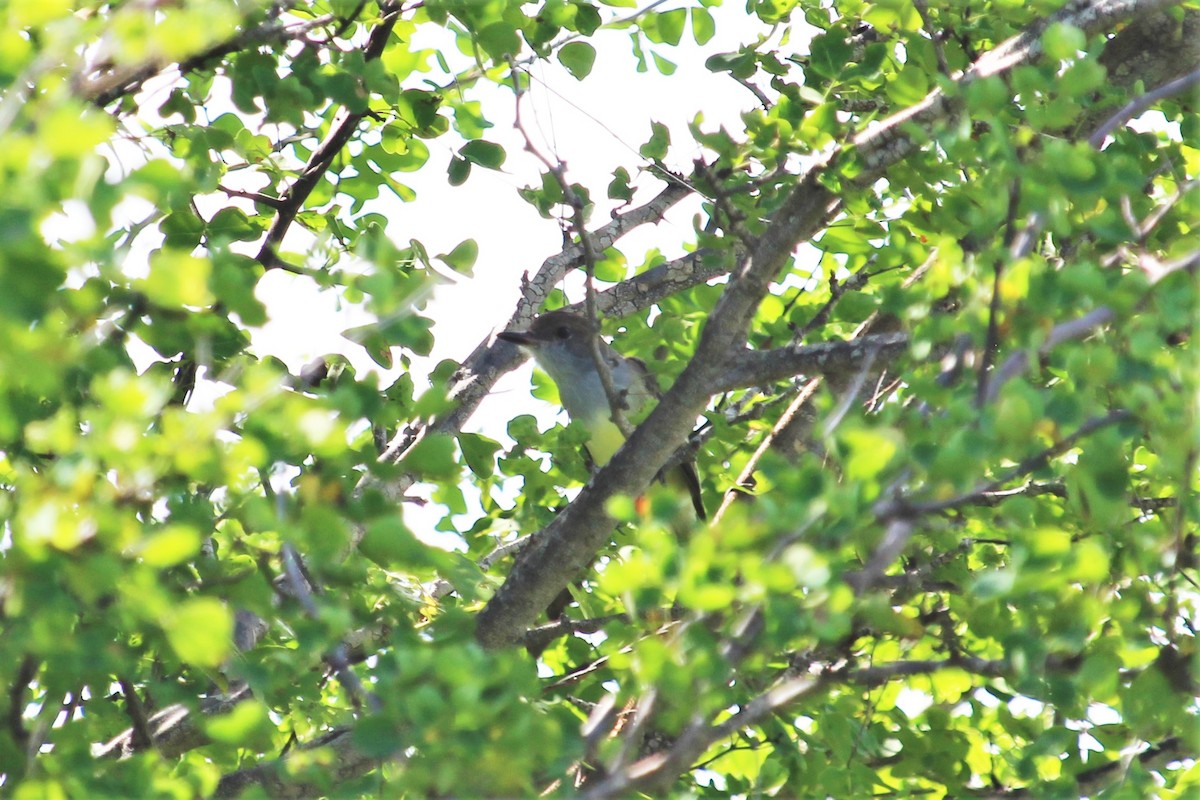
[563, 332]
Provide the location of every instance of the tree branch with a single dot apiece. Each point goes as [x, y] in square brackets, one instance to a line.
[175, 729]
[137, 715]
[345, 763]
[299, 588]
[1140, 105]
[984, 492]
[292, 200]
[105, 89]
[1018, 362]
[659, 282]
[760, 367]
[655, 771]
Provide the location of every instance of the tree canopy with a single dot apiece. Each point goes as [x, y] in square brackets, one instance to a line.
[928, 335]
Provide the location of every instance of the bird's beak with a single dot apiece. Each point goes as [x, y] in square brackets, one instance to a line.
[517, 337]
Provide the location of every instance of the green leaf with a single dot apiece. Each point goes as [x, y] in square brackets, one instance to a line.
[618, 187]
[462, 257]
[479, 452]
[246, 725]
[741, 65]
[35, 14]
[578, 58]
[499, 40]
[177, 280]
[909, 87]
[587, 19]
[871, 451]
[613, 267]
[200, 631]
[389, 543]
[377, 736]
[829, 53]
[485, 154]
[666, 27]
[233, 224]
[660, 140]
[433, 458]
[1063, 42]
[172, 545]
[893, 15]
[182, 230]
[458, 171]
[703, 26]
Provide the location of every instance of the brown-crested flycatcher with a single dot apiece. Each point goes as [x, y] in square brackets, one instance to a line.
[561, 342]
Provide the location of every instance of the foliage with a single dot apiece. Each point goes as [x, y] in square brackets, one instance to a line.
[955, 558]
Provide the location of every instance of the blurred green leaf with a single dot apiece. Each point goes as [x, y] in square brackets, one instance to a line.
[578, 58]
[485, 154]
[200, 631]
[462, 257]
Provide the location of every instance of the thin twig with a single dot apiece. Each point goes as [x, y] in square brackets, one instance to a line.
[558, 169]
[322, 158]
[935, 37]
[142, 738]
[902, 508]
[992, 341]
[301, 590]
[1136, 107]
[258, 197]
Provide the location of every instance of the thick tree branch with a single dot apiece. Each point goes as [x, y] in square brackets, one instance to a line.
[175, 729]
[570, 542]
[759, 367]
[345, 763]
[660, 282]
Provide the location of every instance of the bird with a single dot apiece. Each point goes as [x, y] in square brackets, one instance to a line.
[561, 344]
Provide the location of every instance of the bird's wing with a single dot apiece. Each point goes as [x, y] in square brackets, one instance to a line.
[685, 475]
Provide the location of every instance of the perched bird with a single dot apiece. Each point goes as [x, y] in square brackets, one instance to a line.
[561, 342]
